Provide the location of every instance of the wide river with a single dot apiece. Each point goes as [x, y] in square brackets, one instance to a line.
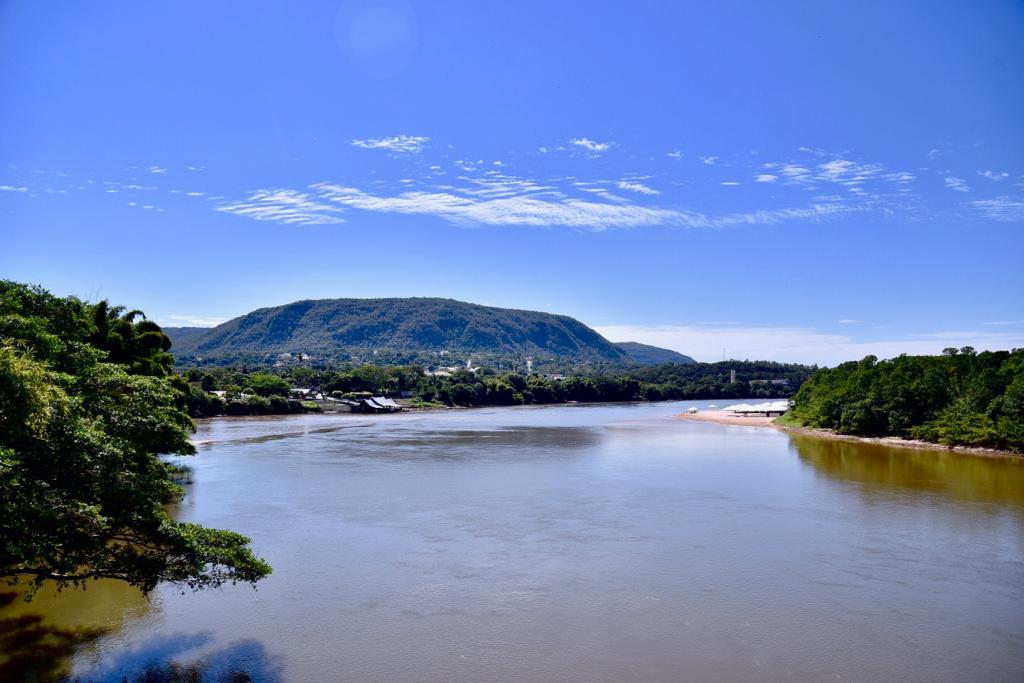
[571, 543]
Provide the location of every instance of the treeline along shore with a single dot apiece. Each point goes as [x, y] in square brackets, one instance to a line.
[960, 398]
[262, 390]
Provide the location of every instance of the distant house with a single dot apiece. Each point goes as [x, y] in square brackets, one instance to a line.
[376, 404]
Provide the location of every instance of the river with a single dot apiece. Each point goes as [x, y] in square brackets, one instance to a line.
[571, 543]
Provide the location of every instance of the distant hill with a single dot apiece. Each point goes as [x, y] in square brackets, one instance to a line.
[331, 328]
[645, 354]
[183, 336]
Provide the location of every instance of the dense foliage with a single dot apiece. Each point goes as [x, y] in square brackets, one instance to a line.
[356, 329]
[86, 405]
[958, 398]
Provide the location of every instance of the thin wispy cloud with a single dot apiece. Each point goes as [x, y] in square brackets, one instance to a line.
[639, 188]
[853, 177]
[815, 187]
[1003, 209]
[556, 210]
[156, 170]
[402, 144]
[284, 206]
[901, 177]
[505, 210]
[956, 184]
[993, 176]
[591, 145]
[675, 154]
[1004, 323]
[178, 320]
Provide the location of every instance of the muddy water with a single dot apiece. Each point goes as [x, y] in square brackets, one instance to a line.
[582, 543]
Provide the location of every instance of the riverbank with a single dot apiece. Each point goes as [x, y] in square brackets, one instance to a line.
[724, 417]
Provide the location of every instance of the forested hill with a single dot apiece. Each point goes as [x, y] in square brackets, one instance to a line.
[645, 354]
[334, 328]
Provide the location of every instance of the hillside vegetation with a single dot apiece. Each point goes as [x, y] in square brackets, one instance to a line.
[959, 398]
[645, 354]
[352, 329]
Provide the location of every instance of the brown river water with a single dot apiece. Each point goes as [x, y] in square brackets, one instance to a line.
[566, 543]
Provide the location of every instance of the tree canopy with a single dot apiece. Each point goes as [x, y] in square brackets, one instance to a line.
[87, 404]
[959, 398]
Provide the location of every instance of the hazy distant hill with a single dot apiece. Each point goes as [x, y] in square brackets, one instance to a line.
[182, 337]
[645, 354]
[330, 327]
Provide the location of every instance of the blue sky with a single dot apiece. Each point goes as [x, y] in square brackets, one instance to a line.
[795, 181]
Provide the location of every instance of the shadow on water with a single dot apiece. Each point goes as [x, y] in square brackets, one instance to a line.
[476, 444]
[160, 660]
[960, 476]
[275, 436]
[32, 649]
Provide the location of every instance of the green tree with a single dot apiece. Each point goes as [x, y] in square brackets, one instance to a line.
[82, 489]
[268, 385]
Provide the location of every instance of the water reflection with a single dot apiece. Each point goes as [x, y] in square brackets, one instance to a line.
[959, 476]
[476, 444]
[38, 638]
[159, 660]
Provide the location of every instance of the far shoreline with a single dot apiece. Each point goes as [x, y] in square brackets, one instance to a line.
[722, 417]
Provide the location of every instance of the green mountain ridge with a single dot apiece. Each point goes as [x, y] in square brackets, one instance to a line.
[645, 354]
[336, 328]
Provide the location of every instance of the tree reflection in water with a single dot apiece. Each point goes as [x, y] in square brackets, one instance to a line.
[33, 650]
[960, 476]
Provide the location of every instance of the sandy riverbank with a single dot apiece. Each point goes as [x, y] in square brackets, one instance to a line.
[725, 417]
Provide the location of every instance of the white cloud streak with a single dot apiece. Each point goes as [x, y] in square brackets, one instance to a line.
[538, 210]
[956, 184]
[402, 144]
[639, 188]
[177, 320]
[284, 206]
[591, 145]
[1003, 209]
